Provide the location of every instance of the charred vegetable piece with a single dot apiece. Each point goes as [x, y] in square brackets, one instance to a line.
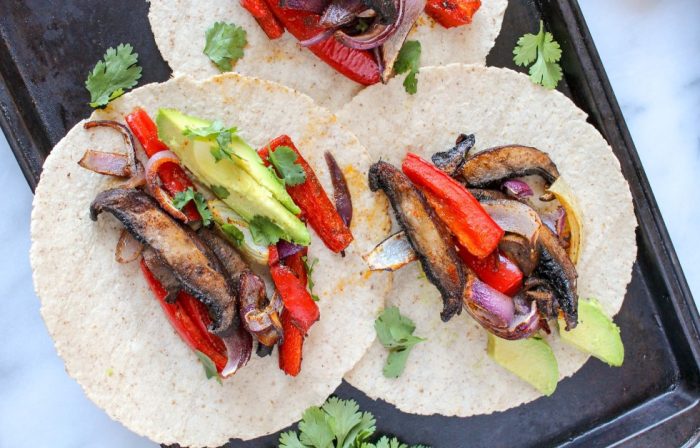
[92, 162]
[263, 15]
[451, 161]
[452, 13]
[456, 207]
[492, 166]
[290, 351]
[227, 255]
[428, 237]
[259, 316]
[556, 267]
[341, 192]
[341, 12]
[108, 163]
[482, 194]
[313, 201]
[163, 273]
[196, 270]
[495, 270]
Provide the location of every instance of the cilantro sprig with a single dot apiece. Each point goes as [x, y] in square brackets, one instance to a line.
[209, 366]
[181, 199]
[309, 266]
[220, 133]
[545, 52]
[264, 231]
[338, 423]
[284, 160]
[395, 332]
[224, 44]
[118, 71]
[409, 61]
[233, 232]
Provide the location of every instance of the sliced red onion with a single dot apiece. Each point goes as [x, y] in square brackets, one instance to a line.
[128, 140]
[379, 58]
[341, 12]
[491, 308]
[556, 221]
[320, 37]
[286, 249]
[341, 192]
[152, 181]
[239, 346]
[107, 163]
[377, 33]
[315, 6]
[523, 325]
[128, 248]
[517, 189]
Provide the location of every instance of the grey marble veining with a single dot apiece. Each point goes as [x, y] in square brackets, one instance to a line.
[651, 51]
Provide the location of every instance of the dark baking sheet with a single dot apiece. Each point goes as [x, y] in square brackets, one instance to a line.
[47, 48]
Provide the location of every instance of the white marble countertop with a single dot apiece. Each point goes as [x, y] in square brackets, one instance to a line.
[651, 51]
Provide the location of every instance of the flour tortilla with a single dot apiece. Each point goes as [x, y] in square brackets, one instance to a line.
[179, 27]
[111, 332]
[451, 373]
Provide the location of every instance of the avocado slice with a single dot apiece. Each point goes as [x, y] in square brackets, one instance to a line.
[531, 359]
[245, 193]
[595, 333]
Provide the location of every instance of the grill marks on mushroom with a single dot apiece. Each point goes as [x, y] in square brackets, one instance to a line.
[194, 266]
[426, 234]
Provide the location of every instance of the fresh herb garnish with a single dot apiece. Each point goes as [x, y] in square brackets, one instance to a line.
[264, 231]
[220, 192]
[546, 70]
[224, 44]
[111, 76]
[209, 366]
[221, 134]
[233, 232]
[409, 61]
[181, 199]
[395, 332]
[309, 272]
[338, 423]
[285, 161]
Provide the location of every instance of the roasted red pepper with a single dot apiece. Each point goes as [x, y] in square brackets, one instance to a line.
[297, 300]
[290, 350]
[496, 270]
[455, 206]
[262, 14]
[451, 13]
[171, 175]
[358, 65]
[317, 208]
[296, 264]
[189, 325]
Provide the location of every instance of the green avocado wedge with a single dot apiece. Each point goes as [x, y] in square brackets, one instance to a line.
[250, 189]
[530, 359]
[595, 333]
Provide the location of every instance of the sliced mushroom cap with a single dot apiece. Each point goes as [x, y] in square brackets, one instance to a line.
[521, 251]
[451, 161]
[429, 238]
[492, 166]
[483, 194]
[556, 267]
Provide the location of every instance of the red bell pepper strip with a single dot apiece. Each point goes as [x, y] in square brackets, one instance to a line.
[200, 316]
[297, 301]
[317, 208]
[171, 175]
[455, 206]
[296, 264]
[290, 350]
[358, 65]
[452, 13]
[496, 270]
[187, 326]
[262, 14]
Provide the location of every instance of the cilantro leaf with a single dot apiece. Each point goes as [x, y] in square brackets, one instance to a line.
[224, 44]
[343, 416]
[290, 439]
[217, 131]
[285, 161]
[233, 232]
[395, 332]
[264, 231]
[181, 199]
[315, 430]
[220, 192]
[545, 52]
[409, 61]
[209, 366]
[111, 76]
[309, 271]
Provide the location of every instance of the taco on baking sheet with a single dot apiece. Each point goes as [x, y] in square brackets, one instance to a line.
[350, 43]
[525, 222]
[241, 250]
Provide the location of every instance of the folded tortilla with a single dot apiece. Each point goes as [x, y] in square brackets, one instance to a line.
[179, 27]
[451, 373]
[110, 330]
